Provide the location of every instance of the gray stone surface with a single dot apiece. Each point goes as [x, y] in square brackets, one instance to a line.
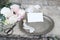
[40, 2]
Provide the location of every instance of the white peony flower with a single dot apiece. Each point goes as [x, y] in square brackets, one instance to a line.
[12, 19]
[15, 7]
[6, 12]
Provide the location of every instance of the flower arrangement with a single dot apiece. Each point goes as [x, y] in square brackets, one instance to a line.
[12, 14]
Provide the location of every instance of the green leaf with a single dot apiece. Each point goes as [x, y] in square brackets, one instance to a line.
[2, 18]
[5, 5]
[8, 5]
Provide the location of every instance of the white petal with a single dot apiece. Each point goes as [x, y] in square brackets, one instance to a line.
[6, 12]
[13, 19]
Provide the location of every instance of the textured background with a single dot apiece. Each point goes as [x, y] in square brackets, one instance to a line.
[49, 7]
[41, 2]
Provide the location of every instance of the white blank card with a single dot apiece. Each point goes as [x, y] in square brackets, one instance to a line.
[35, 17]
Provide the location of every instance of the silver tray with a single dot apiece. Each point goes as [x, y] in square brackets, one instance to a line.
[41, 28]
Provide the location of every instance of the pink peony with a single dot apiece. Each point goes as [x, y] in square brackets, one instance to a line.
[15, 8]
[21, 14]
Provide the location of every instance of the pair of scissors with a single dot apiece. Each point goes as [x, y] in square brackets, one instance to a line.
[9, 31]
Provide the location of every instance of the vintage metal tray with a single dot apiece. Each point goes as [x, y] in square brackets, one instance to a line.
[41, 28]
